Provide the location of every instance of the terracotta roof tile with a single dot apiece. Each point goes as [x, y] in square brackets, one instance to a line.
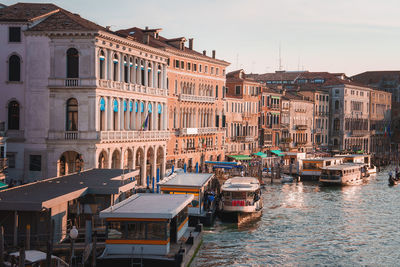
[24, 12]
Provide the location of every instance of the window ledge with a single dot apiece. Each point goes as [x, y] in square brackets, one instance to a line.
[14, 82]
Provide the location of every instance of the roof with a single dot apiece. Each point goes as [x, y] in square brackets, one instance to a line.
[64, 20]
[151, 206]
[241, 184]
[377, 77]
[187, 179]
[53, 191]
[343, 166]
[353, 155]
[277, 152]
[25, 12]
[260, 154]
[163, 43]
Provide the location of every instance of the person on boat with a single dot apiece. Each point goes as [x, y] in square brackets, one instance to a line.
[390, 175]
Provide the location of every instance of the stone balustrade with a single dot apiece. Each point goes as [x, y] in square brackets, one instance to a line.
[196, 98]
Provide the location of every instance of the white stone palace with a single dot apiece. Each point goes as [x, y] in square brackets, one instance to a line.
[78, 96]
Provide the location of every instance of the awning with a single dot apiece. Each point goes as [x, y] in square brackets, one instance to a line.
[3, 186]
[260, 154]
[240, 157]
[221, 162]
[277, 152]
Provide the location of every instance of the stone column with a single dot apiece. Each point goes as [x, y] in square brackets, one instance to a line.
[164, 76]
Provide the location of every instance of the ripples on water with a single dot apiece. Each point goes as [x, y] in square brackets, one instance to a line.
[305, 224]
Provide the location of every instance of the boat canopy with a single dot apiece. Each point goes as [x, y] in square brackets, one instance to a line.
[260, 154]
[197, 180]
[240, 157]
[222, 167]
[277, 152]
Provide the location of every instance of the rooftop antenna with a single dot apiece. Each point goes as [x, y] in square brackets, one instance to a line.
[280, 58]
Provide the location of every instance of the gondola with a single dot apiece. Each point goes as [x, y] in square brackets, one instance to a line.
[393, 181]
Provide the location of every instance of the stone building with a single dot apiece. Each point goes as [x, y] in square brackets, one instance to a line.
[91, 98]
[297, 120]
[241, 108]
[387, 81]
[195, 99]
[321, 112]
[270, 104]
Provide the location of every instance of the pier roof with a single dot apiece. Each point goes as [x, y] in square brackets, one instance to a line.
[187, 179]
[148, 206]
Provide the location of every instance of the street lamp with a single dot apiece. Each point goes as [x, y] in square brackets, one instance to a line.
[73, 234]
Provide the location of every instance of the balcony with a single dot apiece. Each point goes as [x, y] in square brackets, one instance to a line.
[275, 107]
[301, 127]
[359, 132]
[196, 98]
[110, 136]
[108, 84]
[286, 140]
[245, 139]
[198, 131]
[248, 115]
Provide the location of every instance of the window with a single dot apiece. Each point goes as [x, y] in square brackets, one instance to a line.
[194, 67]
[205, 69]
[237, 89]
[11, 160]
[14, 34]
[14, 69]
[200, 68]
[72, 63]
[176, 63]
[182, 65]
[126, 69]
[336, 104]
[35, 163]
[217, 71]
[13, 115]
[115, 68]
[188, 66]
[212, 70]
[101, 65]
[216, 91]
[72, 115]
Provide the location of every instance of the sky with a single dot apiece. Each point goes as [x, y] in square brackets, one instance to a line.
[350, 36]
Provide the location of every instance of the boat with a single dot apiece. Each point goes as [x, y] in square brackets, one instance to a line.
[203, 186]
[343, 174]
[393, 181]
[150, 230]
[311, 167]
[36, 258]
[286, 179]
[241, 200]
[364, 159]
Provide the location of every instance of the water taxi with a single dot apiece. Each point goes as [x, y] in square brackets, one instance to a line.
[241, 199]
[150, 230]
[203, 186]
[311, 168]
[343, 174]
[363, 159]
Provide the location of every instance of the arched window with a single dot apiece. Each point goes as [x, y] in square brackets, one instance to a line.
[14, 69]
[72, 63]
[142, 72]
[115, 68]
[102, 60]
[102, 114]
[115, 117]
[72, 115]
[126, 70]
[159, 77]
[13, 115]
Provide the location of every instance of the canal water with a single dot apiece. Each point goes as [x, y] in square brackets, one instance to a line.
[305, 224]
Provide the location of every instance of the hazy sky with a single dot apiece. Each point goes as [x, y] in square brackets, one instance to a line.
[348, 36]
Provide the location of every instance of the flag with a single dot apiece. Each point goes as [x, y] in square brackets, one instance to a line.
[145, 123]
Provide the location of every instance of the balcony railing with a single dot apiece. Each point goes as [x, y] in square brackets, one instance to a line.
[301, 127]
[198, 131]
[359, 132]
[244, 138]
[110, 136]
[196, 98]
[116, 85]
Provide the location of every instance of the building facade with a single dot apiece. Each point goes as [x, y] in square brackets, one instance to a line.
[321, 111]
[92, 99]
[241, 113]
[270, 105]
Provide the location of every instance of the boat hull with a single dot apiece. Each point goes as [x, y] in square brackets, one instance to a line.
[240, 217]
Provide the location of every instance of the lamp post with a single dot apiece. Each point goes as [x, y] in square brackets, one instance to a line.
[73, 234]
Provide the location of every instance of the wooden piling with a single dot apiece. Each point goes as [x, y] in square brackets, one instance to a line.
[21, 261]
[15, 243]
[28, 237]
[94, 249]
[1, 246]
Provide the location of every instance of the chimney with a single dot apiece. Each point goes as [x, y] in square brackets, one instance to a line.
[146, 28]
[108, 28]
[146, 38]
[204, 52]
[213, 54]
[191, 43]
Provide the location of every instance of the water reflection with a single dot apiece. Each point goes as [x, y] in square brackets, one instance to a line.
[305, 224]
